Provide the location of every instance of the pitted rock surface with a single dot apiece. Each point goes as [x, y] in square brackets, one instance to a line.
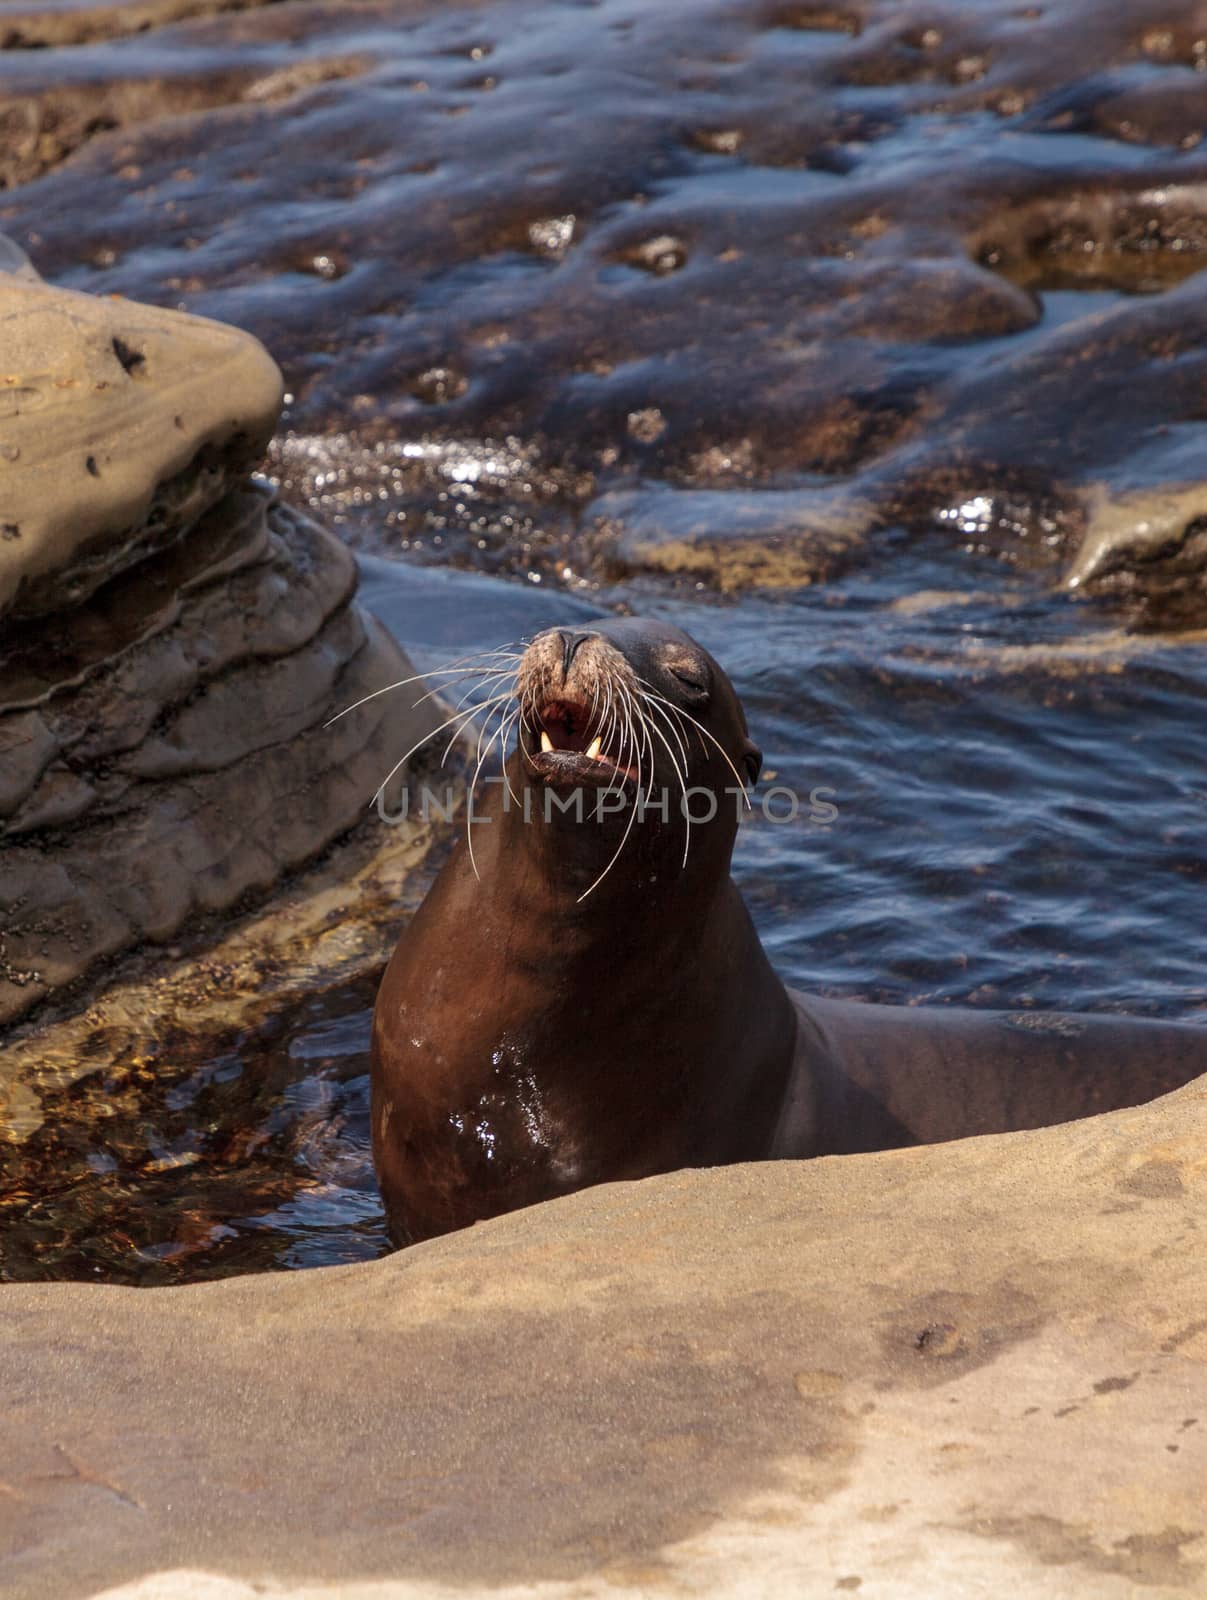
[731, 292]
[120, 425]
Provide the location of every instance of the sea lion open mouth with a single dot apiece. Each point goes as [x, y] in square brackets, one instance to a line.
[576, 745]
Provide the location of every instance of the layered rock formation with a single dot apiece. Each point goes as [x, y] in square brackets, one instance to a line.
[965, 1369]
[172, 640]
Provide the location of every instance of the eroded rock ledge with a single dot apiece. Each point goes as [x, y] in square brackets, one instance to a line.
[172, 644]
[190, 766]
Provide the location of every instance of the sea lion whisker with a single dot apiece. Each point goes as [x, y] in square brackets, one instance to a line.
[478, 683]
[613, 734]
[445, 688]
[672, 728]
[638, 735]
[506, 724]
[467, 717]
[606, 717]
[501, 710]
[682, 777]
[501, 735]
[525, 753]
[641, 738]
[623, 741]
[620, 722]
[642, 743]
[593, 718]
[481, 678]
[648, 731]
[679, 712]
[670, 723]
[623, 841]
[608, 731]
[460, 717]
[603, 726]
[528, 719]
[454, 667]
[482, 754]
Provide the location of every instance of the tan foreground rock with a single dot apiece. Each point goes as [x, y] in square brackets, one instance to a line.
[978, 1369]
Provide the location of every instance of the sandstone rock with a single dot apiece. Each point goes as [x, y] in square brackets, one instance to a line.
[120, 425]
[965, 1369]
[173, 644]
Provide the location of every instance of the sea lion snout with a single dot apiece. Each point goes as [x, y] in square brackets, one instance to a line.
[571, 643]
[574, 690]
[573, 664]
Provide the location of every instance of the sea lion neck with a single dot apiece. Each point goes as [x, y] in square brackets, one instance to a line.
[586, 864]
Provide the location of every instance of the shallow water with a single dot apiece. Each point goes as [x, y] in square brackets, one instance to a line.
[1019, 822]
[1020, 781]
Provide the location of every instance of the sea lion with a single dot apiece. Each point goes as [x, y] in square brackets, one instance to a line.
[582, 996]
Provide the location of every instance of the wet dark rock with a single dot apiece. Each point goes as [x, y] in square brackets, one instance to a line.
[40, 127]
[837, 244]
[172, 758]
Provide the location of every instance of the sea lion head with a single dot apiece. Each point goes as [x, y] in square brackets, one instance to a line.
[629, 701]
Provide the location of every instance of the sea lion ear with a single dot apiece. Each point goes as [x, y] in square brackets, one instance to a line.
[752, 760]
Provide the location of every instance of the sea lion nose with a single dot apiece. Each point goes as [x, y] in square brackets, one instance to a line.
[570, 644]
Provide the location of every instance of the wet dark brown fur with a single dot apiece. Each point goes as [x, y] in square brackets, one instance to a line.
[528, 1041]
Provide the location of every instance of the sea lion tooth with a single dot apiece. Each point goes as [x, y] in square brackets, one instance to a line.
[595, 747]
[546, 741]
